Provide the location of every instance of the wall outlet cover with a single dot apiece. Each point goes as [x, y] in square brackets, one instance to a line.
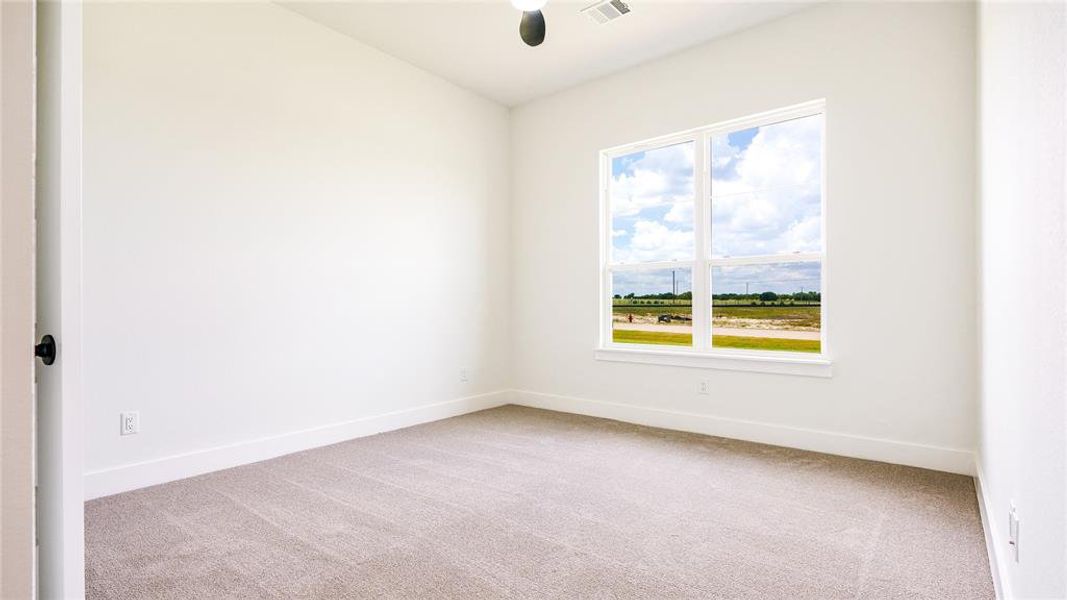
[130, 423]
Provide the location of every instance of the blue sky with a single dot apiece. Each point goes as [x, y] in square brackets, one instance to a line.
[739, 141]
[766, 195]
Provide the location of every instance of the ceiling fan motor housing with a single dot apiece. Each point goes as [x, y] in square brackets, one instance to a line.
[532, 27]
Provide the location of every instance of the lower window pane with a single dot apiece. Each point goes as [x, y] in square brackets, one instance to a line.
[767, 307]
[652, 307]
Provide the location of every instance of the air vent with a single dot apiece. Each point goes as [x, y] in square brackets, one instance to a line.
[609, 10]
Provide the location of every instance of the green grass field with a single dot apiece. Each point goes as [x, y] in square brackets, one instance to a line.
[784, 317]
[758, 343]
[623, 336]
[802, 316]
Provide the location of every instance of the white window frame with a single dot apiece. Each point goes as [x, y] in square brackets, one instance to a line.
[702, 354]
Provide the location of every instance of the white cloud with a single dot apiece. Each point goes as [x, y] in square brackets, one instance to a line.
[722, 153]
[804, 235]
[660, 176]
[654, 241]
[772, 203]
[680, 212]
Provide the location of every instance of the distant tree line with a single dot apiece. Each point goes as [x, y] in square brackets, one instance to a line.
[665, 296]
[758, 296]
[753, 299]
[771, 297]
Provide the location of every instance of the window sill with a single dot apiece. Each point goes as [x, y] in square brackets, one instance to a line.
[733, 361]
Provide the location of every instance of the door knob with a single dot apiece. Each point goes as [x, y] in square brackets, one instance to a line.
[46, 350]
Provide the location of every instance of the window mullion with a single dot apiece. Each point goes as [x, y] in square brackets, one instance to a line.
[605, 301]
[700, 276]
[764, 259]
[647, 266]
[705, 265]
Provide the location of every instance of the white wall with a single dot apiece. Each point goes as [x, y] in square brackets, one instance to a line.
[284, 230]
[1023, 458]
[899, 84]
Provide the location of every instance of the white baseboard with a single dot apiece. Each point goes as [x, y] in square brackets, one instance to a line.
[997, 555]
[171, 468]
[937, 458]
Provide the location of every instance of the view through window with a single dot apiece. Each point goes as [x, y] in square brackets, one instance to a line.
[728, 220]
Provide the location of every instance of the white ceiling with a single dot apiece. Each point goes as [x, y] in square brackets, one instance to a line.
[476, 44]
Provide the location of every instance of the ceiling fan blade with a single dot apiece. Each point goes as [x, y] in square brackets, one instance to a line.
[532, 28]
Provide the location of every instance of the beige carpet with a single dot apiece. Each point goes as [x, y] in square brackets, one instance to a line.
[521, 503]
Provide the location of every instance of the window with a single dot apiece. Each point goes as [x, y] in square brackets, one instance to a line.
[712, 240]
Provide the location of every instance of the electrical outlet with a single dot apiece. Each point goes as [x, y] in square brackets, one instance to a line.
[464, 375]
[130, 423]
[1013, 531]
[704, 387]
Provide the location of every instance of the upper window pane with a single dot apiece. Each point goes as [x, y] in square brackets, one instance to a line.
[766, 189]
[651, 197]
